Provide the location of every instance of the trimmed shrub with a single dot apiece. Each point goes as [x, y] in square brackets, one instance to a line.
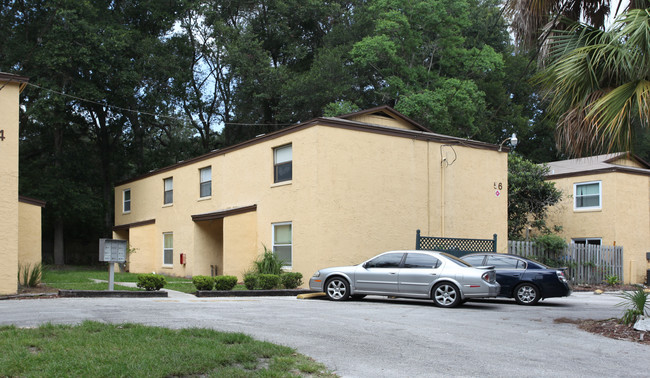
[291, 280]
[151, 282]
[268, 281]
[203, 282]
[250, 281]
[224, 282]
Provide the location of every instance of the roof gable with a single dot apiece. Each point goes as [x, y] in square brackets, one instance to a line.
[384, 116]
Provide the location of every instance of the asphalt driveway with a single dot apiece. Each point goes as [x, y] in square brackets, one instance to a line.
[378, 337]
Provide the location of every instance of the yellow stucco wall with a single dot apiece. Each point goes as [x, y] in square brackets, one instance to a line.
[29, 234]
[623, 220]
[9, 187]
[354, 194]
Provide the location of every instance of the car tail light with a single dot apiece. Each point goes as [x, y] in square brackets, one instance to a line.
[489, 276]
[560, 275]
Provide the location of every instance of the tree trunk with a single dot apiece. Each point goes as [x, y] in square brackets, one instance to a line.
[59, 257]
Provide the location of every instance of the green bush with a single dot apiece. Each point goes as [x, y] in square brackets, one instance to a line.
[225, 282]
[151, 282]
[250, 281]
[268, 281]
[636, 303]
[268, 263]
[291, 280]
[256, 281]
[203, 282]
[30, 276]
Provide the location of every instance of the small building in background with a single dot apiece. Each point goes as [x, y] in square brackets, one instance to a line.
[606, 202]
[326, 192]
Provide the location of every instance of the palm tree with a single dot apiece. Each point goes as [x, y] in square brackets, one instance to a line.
[533, 20]
[598, 83]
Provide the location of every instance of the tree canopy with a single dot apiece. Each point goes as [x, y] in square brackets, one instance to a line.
[118, 88]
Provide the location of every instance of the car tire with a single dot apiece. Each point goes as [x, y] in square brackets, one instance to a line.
[446, 294]
[357, 297]
[337, 289]
[526, 294]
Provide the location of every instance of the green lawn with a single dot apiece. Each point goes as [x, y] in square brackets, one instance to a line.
[82, 278]
[95, 349]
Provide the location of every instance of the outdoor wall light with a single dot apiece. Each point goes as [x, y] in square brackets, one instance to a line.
[513, 141]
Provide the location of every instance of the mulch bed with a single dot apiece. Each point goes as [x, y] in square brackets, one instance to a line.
[610, 327]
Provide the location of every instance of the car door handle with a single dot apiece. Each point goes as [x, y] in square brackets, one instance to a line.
[393, 272]
[433, 274]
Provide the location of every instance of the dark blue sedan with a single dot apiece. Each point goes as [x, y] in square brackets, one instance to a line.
[525, 280]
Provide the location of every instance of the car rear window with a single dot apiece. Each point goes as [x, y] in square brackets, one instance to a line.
[455, 259]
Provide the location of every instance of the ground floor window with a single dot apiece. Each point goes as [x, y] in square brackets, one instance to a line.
[168, 249]
[283, 243]
[586, 241]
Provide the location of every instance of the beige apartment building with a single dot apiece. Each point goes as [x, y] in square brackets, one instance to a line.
[20, 217]
[326, 192]
[606, 202]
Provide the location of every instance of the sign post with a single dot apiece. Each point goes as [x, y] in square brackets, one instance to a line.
[112, 251]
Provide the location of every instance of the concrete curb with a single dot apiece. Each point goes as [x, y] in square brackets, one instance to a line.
[29, 296]
[111, 294]
[252, 293]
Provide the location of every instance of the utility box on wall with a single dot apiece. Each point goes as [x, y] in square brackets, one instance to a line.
[112, 250]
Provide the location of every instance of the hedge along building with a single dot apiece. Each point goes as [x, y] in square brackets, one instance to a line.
[20, 217]
[329, 191]
[607, 202]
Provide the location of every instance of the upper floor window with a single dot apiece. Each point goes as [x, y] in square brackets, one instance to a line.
[283, 242]
[169, 191]
[282, 158]
[126, 201]
[205, 182]
[587, 195]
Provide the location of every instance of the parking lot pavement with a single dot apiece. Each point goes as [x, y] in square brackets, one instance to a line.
[379, 337]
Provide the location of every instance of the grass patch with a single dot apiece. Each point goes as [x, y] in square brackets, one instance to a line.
[185, 287]
[82, 278]
[107, 350]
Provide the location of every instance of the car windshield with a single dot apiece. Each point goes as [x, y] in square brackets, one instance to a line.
[455, 259]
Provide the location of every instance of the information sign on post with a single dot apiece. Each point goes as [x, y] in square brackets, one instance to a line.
[112, 251]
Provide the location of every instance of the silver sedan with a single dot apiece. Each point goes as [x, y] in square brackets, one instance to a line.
[410, 274]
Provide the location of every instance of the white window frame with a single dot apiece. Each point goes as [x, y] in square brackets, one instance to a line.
[201, 182]
[284, 162]
[600, 196]
[125, 201]
[164, 264]
[171, 180]
[290, 245]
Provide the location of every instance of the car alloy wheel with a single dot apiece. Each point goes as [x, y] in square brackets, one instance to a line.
[446, 295]
[526, 294]
[337, 289]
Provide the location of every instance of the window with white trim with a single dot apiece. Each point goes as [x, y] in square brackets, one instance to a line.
[126, 201]
[169, 191]
[168, 249]
[282, 163]
[205, 185]
[587, 241]
[587, 195]
[283, 242]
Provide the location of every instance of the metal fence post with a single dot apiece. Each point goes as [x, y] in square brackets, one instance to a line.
[417, 239]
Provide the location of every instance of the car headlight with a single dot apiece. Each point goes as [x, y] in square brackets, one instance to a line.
[317, 274]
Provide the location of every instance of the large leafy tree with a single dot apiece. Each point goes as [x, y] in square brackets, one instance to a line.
[88, 63]
[598, 82]
[529, 196]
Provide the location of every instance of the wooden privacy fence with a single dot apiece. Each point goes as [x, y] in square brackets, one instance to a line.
[587, 264]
